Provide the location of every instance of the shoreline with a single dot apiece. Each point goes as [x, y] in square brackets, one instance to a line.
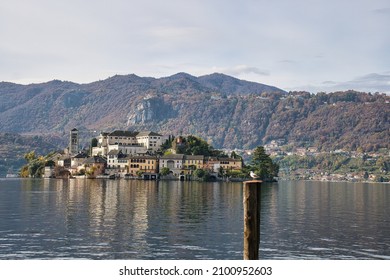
[217, 181]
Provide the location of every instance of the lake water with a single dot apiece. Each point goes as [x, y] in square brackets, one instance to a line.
[125, 219]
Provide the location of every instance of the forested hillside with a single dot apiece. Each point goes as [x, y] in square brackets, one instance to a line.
[13, 147]
[227, 112]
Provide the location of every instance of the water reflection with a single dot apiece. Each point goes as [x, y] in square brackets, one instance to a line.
[120, 219]
[325, 220]
[104, 219]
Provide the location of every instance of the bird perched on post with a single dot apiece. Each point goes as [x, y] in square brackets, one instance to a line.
[253, 175]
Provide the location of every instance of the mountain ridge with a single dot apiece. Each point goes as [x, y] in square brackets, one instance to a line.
[225, 111]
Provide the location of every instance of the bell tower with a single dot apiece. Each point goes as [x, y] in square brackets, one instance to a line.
[74, 142]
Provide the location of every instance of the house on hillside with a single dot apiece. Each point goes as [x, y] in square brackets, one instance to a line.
[301, 151]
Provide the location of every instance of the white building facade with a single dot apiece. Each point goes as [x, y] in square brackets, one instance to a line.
[128, 142]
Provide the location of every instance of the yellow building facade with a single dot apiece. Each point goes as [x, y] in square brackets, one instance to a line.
[144, 164]
[193, 162]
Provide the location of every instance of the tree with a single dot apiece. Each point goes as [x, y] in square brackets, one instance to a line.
[235, 155]
[50, 163]
[192, 145]
[164, 171]
[263, 165]
[35, 168]
[94, 142]
[24, 172]
[221, 172]
[36, 164]
[201, 174]
[166, 145]
[30, 156]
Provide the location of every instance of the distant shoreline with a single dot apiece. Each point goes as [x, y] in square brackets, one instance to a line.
[283, 180]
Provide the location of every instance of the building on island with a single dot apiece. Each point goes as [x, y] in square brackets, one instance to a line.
[174, 162]
[74, 142]
[143, 164]
[116, 163]
[95, 166]
[214, 164]
[130, 154]
[193, 162]
[77, 163]
[128, 142]
[152, 141]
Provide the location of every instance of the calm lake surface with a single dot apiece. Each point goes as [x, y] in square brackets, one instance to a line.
[124, 219]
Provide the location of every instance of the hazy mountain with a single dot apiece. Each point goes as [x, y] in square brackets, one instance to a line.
[13, 147]
[226, 111]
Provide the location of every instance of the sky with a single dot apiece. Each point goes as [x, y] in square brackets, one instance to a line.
[307, 45]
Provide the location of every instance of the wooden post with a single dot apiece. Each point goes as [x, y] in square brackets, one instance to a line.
[251, 200]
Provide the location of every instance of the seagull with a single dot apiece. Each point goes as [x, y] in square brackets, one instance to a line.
[253, 175]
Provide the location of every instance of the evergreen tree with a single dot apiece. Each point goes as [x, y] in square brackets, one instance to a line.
[263, 165]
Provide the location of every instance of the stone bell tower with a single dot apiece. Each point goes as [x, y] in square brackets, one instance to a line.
[74, 142]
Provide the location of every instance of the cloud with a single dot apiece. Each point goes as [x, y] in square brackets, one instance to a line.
[72, 40]
[288, 61]
[239, 70]
[383, 11]
[372, 82]
[329, 83]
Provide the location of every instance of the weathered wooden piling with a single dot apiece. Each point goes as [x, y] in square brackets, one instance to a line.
[251, 200]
